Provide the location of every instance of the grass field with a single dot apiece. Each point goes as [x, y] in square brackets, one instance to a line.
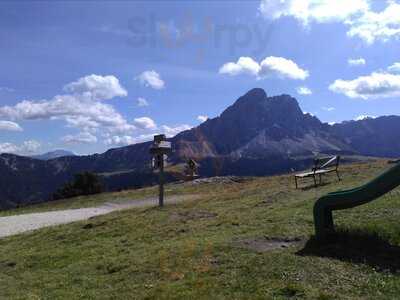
[212, 248]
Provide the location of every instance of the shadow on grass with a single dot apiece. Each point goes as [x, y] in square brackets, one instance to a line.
[356, 247]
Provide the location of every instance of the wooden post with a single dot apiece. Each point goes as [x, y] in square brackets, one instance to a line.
[160, 148]
[161, 181]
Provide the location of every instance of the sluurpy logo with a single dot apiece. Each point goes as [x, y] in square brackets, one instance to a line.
[150, 31]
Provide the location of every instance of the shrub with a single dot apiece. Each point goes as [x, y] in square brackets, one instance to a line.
[85, 183]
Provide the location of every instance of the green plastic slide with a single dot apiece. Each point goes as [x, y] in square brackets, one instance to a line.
[324, 206]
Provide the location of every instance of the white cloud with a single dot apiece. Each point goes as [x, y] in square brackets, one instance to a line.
[283, 68]
[172, 131]
[319, 11]
[328, 108]
[376, 85]
[244, 65]
[142, 102]
[148, 129]
[120, 140]
[395, 68]
[10, 126]
[128, 140]
[169, 131]
[270, 66]
[151, 79]
[97, 87]
[364, 117]
[84, 110]
[332, 123]
[76, 110]
[202, 118]
[85, 123]
[362, 22]
[372, 26]
[356, 62]
[8, 148]
[81, 138]
[144, 123]
[31, 146]
[302, 90]
[26, 148]
[81, 110]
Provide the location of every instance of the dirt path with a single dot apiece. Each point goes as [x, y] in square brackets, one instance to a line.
[21, 223]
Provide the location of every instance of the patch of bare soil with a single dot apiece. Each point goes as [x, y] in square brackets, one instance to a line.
[266, 202]
[264, 244]
[273, 198]
[219, 180]
[192, 215]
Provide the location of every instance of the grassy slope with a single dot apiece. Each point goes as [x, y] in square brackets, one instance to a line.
[96, 200]
[188, 250]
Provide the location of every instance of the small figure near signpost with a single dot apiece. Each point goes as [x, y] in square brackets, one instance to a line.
[191, 169]
[160, 148]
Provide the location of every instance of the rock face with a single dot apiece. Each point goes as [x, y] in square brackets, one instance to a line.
[375, 137]
[257, 126]
[257, 135]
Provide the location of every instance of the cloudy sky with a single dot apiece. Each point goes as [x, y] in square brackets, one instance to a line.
[91, 76]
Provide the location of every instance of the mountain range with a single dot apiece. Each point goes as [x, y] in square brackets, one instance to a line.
[53, 154]
[257, 135]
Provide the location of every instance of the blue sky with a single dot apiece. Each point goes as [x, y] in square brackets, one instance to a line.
[88, 76]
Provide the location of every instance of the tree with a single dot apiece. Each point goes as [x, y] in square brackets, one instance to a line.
[85, 183]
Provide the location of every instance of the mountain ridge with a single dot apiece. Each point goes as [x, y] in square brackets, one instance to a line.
[256, 135]
[53, 154]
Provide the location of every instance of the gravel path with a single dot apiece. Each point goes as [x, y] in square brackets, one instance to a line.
[21, 223]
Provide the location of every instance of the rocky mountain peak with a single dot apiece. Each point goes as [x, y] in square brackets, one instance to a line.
[256, 93]
[254, 115]
[256, 110]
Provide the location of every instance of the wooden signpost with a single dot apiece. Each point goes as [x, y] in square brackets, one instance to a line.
[160, 148]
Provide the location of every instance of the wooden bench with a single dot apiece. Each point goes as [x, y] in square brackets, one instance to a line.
[321, 167]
